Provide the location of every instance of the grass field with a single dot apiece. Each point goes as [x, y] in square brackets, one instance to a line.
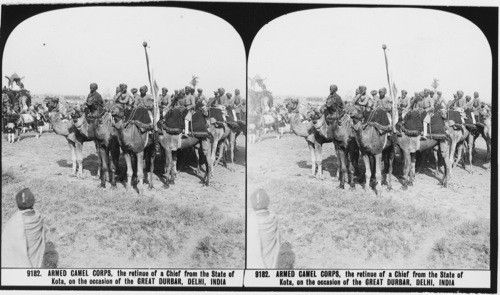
[187, 225]
[424, 227]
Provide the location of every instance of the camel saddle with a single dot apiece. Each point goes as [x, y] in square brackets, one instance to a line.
[413, 123]
[455, 120]
[199, 124]
[437, 127]
[140, 117]
[468, 121]
[216, 118]
[173, 123]
[379, 120]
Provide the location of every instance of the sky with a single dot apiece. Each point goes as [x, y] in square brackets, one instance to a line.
[63, 51]
[303, 53]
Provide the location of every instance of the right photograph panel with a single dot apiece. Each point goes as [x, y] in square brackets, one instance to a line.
[369, 141]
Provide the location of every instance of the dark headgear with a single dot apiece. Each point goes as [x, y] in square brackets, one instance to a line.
[123, 86]
[133, 90]
[383, 90]
[404, 91]
[164, 88]
[333, 88]
[373, 92]
[259, 200]
[145, 88]
[439, 92]
[25, 199]
[200, 90]
[93, 85]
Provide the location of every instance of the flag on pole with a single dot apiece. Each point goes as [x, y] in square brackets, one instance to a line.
[393, 90]
[153, 92]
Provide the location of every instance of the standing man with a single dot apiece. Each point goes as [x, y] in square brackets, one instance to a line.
[23, 238]
[94, 99]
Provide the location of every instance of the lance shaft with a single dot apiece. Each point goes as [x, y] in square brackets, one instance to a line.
[384, 47]
[151, 86]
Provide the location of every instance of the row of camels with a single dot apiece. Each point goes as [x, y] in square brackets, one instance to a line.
[351, 140]
[113, 133]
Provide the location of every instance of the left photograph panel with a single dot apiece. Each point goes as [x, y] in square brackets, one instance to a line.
[121, 143]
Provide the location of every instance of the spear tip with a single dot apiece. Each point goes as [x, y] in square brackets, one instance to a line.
[384, 46]
[144, 43]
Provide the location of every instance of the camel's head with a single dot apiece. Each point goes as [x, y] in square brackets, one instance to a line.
[117, 111]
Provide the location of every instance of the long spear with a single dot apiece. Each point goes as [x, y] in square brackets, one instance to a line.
[145, 44]
[384, 47]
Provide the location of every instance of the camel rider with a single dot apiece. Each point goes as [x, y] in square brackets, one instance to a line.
[469, 105]
[237, 104]
[362, 101]
[384, 102]
[94, 99]
[230, 104]
[190, 103]
[459, 103]
[201, 98]
[135, 96]
[403, 103]
[476, 104]
[123, 97]
[164, 101]
[428, 106]
[439, 100]
[213, 100]
[222, 101]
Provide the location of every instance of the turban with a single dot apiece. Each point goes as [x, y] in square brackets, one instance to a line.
[145, 88]
[468, 97]
[25, 199]
[200, 90]
[259, 200]
[229, 95]
[373, 92]
[236, 91]
[439, 93]
[362, 89]
[123, 86]
[93, 85]
[383, 90]
[432, 92]
[133, 90]
[476, 94]
[333, 88]
[460, 92]
[404, 91]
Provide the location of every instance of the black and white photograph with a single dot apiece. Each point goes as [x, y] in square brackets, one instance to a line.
[123, 140]
[369, 141]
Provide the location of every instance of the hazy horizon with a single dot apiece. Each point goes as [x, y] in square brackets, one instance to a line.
[63, 51]
[303, 53]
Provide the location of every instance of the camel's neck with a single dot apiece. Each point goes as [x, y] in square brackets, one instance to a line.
[297, 126]
[60, 127]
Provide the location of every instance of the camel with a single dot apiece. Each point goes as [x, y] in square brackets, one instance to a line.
[374, 145]
[483, 129]
[25, 121]
[172, 142]
[410, 142]
[459, 136]
[99, 127]
[135, 144]
[223, 134]
[316, 135]
[70, 132]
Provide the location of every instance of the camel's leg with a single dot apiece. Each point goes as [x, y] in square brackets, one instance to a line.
[214, 150]
[198, 164]
[205, 145]
[105, 160]
[79, 157]
[406, 170]
[113, 164]
[412, 169]
[388, 167]
[453, 147]
[343, 168]
[150, 157]
[174, 167]
[351, 165]
[220, 148]
[140, 172]
[487, 139]
[469, 151]
[366, 160]
[436, 160]
[73, 157]
[460, 150]
[378, 174]
[318, 148]
[313, 158]
[443, 146]
[232, 144]
[168, 167]
[130, 170]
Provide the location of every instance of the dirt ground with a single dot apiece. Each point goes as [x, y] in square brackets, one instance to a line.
[187, 225]
[424, 227]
